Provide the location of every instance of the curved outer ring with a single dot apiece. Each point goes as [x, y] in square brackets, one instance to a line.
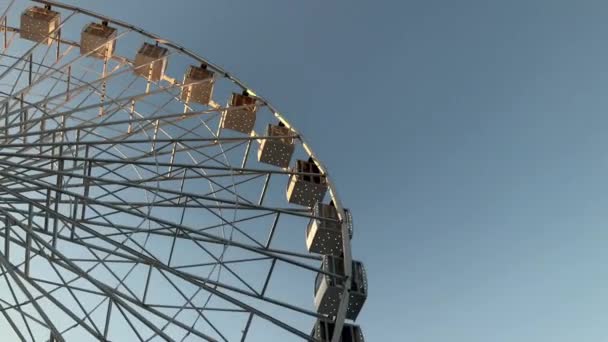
[341, 316]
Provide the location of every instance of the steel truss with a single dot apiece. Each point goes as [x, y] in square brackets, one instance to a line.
[128, 214]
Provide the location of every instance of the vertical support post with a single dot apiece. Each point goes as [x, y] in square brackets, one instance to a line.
[130, 129]
[48, 191]
[23, 117]
[6, 122]
[76, 149]
[108, 316]
[28, 239]
[263, 194]
[42, 128]
[58, 194]
[86, 170]
[62, 132]
[173, 150]
[143, 300]
[7, 237]
[102, 97]
[156, 124]
[31, 62]
[67, 90]
[58, 44]
[246, 156]
[74, 218]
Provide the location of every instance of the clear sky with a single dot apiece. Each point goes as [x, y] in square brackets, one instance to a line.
[469, 138]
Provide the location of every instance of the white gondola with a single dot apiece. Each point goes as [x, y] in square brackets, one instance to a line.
[98, 40]
[278, 148]
[151, 62]
[198, 85]
[323, 332]
[324, 233]
[307, 185]
[328, 289]
[39, 24]
[240, 115]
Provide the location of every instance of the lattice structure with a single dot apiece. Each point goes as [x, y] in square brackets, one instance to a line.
[133, 207]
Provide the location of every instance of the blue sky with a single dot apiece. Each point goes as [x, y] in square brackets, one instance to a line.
[468, 138]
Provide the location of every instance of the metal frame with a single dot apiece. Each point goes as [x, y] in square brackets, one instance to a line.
[106, 185]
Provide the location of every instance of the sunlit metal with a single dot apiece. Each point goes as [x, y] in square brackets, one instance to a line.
[131, 207]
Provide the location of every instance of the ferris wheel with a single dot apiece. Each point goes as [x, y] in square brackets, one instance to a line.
[147, 194]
